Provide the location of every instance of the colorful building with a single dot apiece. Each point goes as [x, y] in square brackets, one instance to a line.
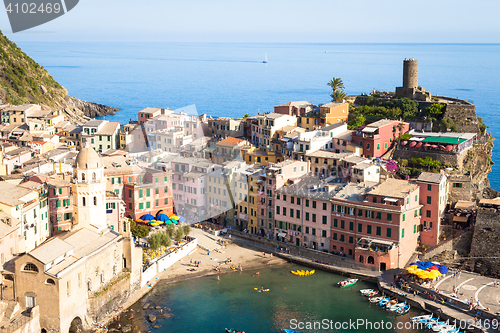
[378, 137]
[333, 113]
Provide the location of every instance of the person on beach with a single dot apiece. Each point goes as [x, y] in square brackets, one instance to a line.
[263, 254]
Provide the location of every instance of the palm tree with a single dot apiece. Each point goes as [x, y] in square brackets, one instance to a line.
[338, 96]
[336, 84]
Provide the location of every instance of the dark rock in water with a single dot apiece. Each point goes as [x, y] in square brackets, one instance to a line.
[145, 306]
[151, 318]
[158, 307]
[126, 329]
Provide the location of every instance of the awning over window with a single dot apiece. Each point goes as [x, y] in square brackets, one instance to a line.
[369, 129]
[281, 234]
[391, 199]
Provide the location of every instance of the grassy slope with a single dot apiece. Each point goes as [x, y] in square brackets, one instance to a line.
[21, 77]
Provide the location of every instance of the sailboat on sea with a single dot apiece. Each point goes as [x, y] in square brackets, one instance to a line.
[265, 59]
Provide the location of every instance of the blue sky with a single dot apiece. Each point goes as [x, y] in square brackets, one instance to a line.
[330, 21]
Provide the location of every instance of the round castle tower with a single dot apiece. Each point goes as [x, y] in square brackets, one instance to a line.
[410, 73]
[89, 190]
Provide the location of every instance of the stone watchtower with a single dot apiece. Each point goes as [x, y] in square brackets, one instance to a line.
[410, 74]
[410, 86]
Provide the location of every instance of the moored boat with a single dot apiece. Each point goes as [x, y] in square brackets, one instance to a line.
[347, 283]
[384, 301]
[376, 299]
[419, 318]
[230, 330]
[397, 306]
[444, 328]
[391, 303]
[366, 291]
[286, 330]
[403, 310]
[371, 294]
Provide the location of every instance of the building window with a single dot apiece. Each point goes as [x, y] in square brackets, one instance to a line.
[403, 233]
[29, 267]
[95, 201]
[429, 200]
[369, 229]
[378, 231]
[429, 187]
[84, 201]
[389, 217]
[389, 232]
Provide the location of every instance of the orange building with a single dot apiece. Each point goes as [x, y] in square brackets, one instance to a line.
[333, 113]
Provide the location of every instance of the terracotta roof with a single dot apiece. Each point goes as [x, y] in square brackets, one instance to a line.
[230, 141]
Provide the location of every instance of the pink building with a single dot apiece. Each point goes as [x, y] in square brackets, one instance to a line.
[433, 198]
[274, 178]
[377, 138]
[376, 224]
[11, 239]
[294, 108]
[303, 213]
[15, 158]
[189, 186]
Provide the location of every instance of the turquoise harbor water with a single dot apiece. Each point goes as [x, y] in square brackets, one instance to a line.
[229, 79]
[207, 305]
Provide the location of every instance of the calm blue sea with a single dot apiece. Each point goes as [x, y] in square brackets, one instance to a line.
[229, 79]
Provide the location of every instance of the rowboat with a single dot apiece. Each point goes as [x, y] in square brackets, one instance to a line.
[419, 318]
[384, 301]
[376, 299]
[347, 283]
[366, 291]
[391, 303]
[230, 330]
[371, 294]
[397, 306]
[403, 310]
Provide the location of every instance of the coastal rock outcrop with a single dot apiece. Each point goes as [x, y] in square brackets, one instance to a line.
[151, 318]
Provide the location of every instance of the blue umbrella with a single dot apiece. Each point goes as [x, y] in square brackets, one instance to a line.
[147, 217]
[182, 219]
[162, 217]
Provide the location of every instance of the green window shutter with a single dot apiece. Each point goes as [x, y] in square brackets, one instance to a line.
[55, 191]
[389, 217]
[141, 205]
[166, 189]
[360, 227]
[389, 232]
[130, 179]
[112, 180]
[119, 180]
[60, 191]
[404, 217]
[157, 191]
[369, 229]
[129, 205]
[140, 193]
[378, 231]
[148, 204]
[165, 178]
[148, 192]
[58, 217]
[58, 203]
[130, 193]
[403, 233]
[157, 202]
[166, 201]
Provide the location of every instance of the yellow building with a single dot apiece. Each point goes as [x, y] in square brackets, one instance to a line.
[253, 195]
[333, 113]
[262, 156]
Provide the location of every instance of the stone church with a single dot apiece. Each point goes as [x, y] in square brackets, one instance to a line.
[76, 276]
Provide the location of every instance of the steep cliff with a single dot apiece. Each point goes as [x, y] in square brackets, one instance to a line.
[22, 80]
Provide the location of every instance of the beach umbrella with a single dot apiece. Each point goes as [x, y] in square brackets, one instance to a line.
[182, 219]
[174, 217]
[432, 268]
[139, 221]
[418, 144]
[413, 144]
[162, 217]
[443, 269]
[442, 147]
[434, 146]
[147, 217]
[427, 145]
[449, 147]
[404, 143]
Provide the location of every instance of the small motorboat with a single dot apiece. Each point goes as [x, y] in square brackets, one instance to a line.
[371, 294]
[230, 330]
[347, 283]
[376, 299]
[366, 291]
[396, 307]
[419, 318]
[403, 310]
[391, 303]
[384, 301]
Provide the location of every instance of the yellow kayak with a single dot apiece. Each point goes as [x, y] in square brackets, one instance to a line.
[303, 273]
